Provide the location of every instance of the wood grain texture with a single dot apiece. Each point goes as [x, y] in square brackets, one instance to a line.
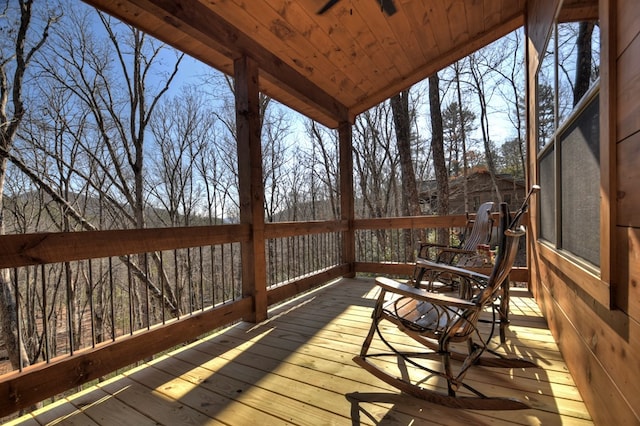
[628, 176]
[30, 249]
[331, 66]
[296, 368]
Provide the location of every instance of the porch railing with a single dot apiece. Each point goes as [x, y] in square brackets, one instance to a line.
[90, 303]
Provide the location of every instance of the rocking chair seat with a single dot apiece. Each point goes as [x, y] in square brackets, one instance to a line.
[429, 313]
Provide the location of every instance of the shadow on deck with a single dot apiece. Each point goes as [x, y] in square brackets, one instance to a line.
[296, 368]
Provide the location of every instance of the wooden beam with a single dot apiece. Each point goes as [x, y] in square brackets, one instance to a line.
[347, 210]
[52, 247]
[609, 167]
[254, 270]
[541, 15]
[195, 19]
[295, 229]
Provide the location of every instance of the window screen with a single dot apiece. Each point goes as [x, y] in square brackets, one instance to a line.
[580, 184]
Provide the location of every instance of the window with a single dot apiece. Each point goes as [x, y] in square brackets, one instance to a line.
[569, 142]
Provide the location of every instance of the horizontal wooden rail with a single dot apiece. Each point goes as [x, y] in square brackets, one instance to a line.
[293, 288]
[20, 390]
[414, 222]
[294, 229]
[417, 222]
[34, 249]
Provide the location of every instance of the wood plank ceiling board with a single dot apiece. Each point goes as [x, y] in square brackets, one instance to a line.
[349, 23]
[407, 37]
[457, 19]
[578, 10]
[492, 12]
[285, 42]
[340, 56]
[333, 66]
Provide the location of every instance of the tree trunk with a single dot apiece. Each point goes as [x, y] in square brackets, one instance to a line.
[463, 139]
[437, 149]
[583, 61]
[410, 202]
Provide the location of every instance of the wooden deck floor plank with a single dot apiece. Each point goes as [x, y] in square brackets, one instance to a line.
[328, 389]
[276, 386]
[26, 420]
[153, 404]
[60, 412]
[296, 368]
[103, 407]
[257, 347]
[284, 396]
[191, 389]
[519, 340]
[351, 344]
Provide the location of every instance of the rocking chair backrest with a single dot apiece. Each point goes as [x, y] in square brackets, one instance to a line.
[481, 230]
[508, 238]
[509, 233]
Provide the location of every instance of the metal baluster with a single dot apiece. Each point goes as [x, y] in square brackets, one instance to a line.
[201, 280]
[161, 281]
[176, 275]
[189, 281]
[91, 307]
[146, 291]
[19, 330]
[111, 295]
[45, 322]
[130, 284]
[212, 251]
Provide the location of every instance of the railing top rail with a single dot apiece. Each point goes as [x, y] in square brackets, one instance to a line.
[42, 248]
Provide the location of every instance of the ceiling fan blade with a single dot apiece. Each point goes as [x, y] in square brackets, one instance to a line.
[388, 7]
[327, 6]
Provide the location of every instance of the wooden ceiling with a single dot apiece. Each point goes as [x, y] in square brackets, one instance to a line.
[333, 66]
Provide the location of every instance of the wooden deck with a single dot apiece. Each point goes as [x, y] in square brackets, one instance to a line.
[297, 369]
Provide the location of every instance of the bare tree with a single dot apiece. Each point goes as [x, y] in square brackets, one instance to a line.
[409, 198]
[182, 127]
[375, 162]
[20, 42]
[323, 163]
[437, 149]
[117, 80]
[478, 69]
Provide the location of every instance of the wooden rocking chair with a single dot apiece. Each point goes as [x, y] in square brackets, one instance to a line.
[477, 231]
[437, 320]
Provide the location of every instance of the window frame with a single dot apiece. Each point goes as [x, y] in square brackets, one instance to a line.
[597, 282]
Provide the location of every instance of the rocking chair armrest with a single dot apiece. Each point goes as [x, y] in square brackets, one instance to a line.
[430, 244]
[457, 250]
[402, 289]
[434, 266]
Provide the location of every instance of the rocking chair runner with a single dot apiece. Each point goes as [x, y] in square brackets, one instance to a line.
[436, 321]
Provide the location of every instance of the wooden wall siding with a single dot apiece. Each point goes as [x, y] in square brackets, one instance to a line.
[628, 156]
[602, 346]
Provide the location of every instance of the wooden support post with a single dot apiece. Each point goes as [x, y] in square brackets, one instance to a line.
[254, 271]
[346, 195]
